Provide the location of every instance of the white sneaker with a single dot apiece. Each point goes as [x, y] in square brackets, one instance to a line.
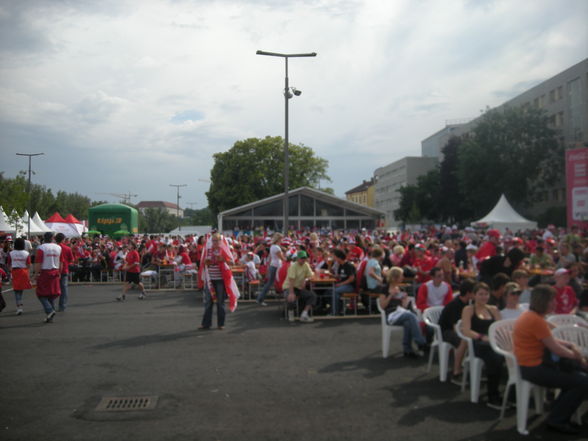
[19, 311]
[141, 296]
[304, 317]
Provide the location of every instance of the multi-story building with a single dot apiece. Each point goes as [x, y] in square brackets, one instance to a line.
[433, 145]
[170, 207]
[363, 194]
[390, 178]
[565, 100]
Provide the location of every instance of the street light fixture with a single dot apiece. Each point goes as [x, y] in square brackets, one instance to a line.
[178, 203]
[30, 155]
[288, 91]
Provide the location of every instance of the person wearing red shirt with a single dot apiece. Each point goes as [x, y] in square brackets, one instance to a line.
[488, 248]
[423, 264]
[66, 260]
[565, 298]
[132, 266]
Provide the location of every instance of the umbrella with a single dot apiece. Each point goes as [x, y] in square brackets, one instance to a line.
[121, 233]
[93, 233]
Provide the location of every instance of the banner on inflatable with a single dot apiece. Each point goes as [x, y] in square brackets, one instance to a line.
[577, 187]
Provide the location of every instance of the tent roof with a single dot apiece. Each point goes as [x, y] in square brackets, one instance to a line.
[55, 218]
[503, 215]
[4, 225]
[70, 219]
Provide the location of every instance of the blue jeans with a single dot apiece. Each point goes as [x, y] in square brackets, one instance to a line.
[272, 271]
[412, 330]
[18, 297]
[336, 294]
[48, 304]
[221, 295]
[63, 296]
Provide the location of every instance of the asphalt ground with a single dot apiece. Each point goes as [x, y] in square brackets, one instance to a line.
[261, 378]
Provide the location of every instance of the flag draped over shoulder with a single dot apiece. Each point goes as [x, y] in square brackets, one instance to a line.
[227, 275]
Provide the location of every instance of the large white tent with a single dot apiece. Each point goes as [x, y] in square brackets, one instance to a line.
[5, 227]
[37, 219]
[503, 216]
[35, 229]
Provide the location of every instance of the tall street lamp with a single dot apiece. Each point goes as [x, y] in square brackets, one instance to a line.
[288, 93]
[30, 155]
[178, 203]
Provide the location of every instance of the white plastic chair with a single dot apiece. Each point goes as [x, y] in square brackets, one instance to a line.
[579, 336]
[566, 319]
[387, 330]
[500, 335]
[431, 318]
[474, 369]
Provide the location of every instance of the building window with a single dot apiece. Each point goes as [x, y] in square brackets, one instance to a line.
[555, 195]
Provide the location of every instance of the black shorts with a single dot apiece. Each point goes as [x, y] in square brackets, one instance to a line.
[132, 278]
[450, 336]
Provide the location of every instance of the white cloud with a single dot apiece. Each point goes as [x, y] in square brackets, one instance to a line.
[117, 79]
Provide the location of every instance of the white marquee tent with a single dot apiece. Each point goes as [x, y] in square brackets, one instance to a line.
[503, 216]
[5, 227]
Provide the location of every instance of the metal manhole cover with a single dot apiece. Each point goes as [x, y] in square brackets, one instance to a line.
[123, 404]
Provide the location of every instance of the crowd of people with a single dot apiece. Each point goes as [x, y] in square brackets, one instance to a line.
[478, 278]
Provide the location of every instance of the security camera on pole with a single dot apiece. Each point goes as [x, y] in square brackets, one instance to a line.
[288, 91]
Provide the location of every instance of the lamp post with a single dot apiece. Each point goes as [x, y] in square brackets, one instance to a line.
[288, 91]
[30, 155]
[178, 202]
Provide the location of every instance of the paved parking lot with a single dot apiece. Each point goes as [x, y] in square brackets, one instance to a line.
[261, 378]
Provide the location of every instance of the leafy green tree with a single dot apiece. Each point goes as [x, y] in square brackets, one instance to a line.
[452, 208]
[511, 151]
[253, 169]
[202, 216]
[157, 220]
[13, 193]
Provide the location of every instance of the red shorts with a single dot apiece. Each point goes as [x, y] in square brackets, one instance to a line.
[20, 279]
[48, 283]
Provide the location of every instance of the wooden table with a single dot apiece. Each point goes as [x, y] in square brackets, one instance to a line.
[324, 283]
[239, 276]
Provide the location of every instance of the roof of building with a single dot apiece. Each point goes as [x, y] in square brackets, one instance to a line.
[157, 204]
[361, 187]
[317, 194]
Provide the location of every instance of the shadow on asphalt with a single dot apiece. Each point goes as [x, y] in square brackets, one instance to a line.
[149, 340]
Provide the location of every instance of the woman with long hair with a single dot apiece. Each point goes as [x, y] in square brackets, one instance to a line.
[476, 320]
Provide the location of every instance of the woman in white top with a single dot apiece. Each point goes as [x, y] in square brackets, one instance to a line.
[19, 262]
[513, 308]
[276, 257]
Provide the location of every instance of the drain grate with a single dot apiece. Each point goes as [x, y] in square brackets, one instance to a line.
[124, 404]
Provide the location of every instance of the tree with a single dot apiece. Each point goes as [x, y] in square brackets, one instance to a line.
[157, 220]
[421, 201]
[13, 193]
[511, 151]
[202, 216]
[452, 208]
[253, 169]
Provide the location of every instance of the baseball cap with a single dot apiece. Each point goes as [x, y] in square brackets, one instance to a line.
[561, 272]
[301, 254]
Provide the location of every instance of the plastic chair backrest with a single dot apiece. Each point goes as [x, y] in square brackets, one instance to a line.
[469, 341]
[573, 334]
[382, 313]
[566, 319]
[431, 317]
[501, 341]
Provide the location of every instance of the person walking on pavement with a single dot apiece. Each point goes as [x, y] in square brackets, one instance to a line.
[132, 266]
[47, 272]
[19, 262]
[67, 259]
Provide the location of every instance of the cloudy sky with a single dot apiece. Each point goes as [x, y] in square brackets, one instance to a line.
[135, 95]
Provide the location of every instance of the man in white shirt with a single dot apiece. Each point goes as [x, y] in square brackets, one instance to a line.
[48, 274]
